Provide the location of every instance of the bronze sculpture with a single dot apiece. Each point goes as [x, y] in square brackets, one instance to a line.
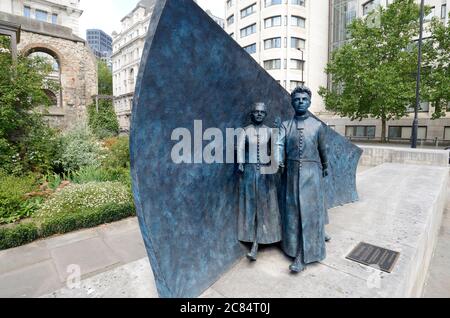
[302, 152]
[259, 216]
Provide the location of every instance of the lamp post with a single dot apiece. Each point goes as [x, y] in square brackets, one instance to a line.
[303, 65]
[415, 127]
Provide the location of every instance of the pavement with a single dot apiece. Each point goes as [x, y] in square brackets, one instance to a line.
[110, 261]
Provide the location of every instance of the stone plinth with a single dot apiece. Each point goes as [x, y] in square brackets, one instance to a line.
[377, 155]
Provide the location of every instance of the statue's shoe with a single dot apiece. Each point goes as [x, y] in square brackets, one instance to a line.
[297, 268]
[251, 257]
[327, 238]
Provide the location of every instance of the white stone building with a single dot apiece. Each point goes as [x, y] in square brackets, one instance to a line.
[126, 58]
[61, 12]
[127, 51]
[289, 38]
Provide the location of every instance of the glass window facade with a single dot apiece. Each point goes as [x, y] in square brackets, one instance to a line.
[295, 84]
[360, 131]
[248, 30]
[230, 20]
[269, 3]
[299, 2]
[41, 15]
[297, 43]
[296, 64]
[27, 12]
[272, 43]
[370, 5]
[405, 133]
[250, 49]
[343, 13]
[272, 64]
[272, 22]
[248, 11]
[298, 21]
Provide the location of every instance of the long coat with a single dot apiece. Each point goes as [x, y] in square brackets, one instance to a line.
[302, 149]
[259, 215]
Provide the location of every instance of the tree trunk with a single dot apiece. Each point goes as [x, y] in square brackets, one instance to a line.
[383, 130]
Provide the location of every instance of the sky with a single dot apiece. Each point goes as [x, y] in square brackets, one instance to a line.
[106, 14]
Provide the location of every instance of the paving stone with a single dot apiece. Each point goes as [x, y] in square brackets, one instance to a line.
[70, 238]
[127, 245]
[31, 281]
[134, 280]
[120, 227]
[20, 257]
[90, 255]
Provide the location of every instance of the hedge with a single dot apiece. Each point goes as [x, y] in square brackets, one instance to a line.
[19, 235]
[26, 233]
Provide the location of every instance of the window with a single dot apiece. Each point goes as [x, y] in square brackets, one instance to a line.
[272, 22]
[248, 30]
[27, 12]
[370, 5]
[250, 49]
[431, 14]
[52, 97]
[272, 2]
[444, 11]
[229, 3]
[41, 15]
[272, 64]
[360, 131]
[248, 11]
[405, 132]
[297, 21]
[272, 43]
[447, 133]
[54, 18]
[295, 84]
[297, 64]
[298, 2]
[230, 20]
[297, 43]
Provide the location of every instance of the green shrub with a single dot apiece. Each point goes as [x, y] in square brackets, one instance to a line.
[79, 149]
[66, 223]
[40, 149]
[101, 174]
[18, 235]
[119, 153]
[90, 174]
[84, 198]
[103, 122]
[13, 204]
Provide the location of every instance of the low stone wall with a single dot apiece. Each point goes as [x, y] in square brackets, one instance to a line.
[377, 155]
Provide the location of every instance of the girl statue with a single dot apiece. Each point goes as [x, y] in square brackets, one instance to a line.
[259, 215]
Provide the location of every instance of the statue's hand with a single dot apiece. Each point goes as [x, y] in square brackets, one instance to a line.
[281, 169]
[277, 123]
[241, 168]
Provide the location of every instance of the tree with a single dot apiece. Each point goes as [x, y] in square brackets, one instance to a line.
[374, 74]
[436, 65]
[105, 82]
[22, 102]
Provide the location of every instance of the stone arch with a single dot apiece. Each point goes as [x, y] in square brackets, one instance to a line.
[57, 75]
[46, 48]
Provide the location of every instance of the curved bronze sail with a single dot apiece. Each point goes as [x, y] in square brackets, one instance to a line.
[192, 70]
